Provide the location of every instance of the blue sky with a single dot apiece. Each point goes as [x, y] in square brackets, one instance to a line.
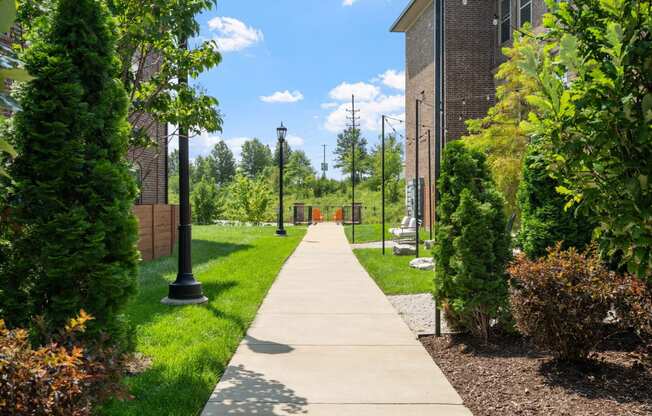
[298, 61]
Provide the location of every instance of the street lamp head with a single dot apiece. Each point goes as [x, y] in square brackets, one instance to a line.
[281, 132]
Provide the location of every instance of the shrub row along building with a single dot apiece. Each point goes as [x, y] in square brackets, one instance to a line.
[474, 33]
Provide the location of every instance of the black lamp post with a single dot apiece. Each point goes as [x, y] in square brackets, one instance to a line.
[281, 132]
[185, 290]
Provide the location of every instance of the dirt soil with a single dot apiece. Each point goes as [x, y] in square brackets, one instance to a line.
[509, 377]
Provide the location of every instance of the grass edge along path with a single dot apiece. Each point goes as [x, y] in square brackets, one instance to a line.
[191, 346]
[393, 274]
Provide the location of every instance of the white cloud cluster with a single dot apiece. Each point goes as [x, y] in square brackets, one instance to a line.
[361, 90]
[295, 141]
[348, 2]
[283, 97]
[393, 79]
[370, 100]
[233, 35]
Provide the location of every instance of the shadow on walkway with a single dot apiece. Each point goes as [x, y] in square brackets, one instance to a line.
[251, 393]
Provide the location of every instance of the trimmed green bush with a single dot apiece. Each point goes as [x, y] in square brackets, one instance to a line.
[76, 243]
[544, 220]
[472, 246]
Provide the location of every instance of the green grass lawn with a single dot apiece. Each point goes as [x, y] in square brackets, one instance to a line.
[393, 274]
[191, 346]
[369, 233]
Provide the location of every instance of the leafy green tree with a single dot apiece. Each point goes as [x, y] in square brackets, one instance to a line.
[545, 222]
[499, 134]
[343, 153]
[201, 170]
[10, 68]
[151, 60]
[75, 246]
[222, 163]
[249, 199]
[300, 172]
[206, 202]
[472, 246]
[287, 151]
[393, 162]
[594, 108]
[255, 158]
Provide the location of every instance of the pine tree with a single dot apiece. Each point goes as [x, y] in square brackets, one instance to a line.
[343, 160]
[74, 190]
[222, 163]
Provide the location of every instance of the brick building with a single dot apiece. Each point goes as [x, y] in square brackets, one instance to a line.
[474, 33]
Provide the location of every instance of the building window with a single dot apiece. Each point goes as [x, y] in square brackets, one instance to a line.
[505, 21]
[525, 11]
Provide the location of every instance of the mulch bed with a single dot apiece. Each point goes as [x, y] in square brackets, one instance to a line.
[510, 377]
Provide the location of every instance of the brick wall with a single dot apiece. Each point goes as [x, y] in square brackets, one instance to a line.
[151, 163]
[473, 53]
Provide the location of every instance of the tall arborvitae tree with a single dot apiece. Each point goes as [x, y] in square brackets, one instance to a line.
[74, 189]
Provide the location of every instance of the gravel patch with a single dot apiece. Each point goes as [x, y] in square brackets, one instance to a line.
[418, 312]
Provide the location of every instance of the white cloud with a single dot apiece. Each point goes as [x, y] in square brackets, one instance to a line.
[233, 35]
[326, 106]
[348, 2]
[283, 97]
[361, 90]
[393, 79]
[295, 141]
[370, 113]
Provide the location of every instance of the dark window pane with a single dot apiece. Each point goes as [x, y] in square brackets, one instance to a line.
[504, 9]
[526, 14]
[505, 31]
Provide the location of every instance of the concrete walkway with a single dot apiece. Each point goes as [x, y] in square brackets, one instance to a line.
[327, 342]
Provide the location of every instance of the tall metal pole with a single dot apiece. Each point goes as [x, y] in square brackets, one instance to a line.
[439, 127]
[280, 231]
[416, 176]
[185, 289]
[430, 217]
[323, 166]
[382, 174]
[353, 170]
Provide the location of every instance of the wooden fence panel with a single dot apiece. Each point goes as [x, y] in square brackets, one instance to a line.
[157, 230]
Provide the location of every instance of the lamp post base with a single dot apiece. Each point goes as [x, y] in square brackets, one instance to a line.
[181, 302]
[185, 291]
[281, 233]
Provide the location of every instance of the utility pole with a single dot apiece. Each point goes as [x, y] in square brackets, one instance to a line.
[430, 216]
[416, 175]
[382, 174]
[353, 130]
[324, 166]
[439, 118]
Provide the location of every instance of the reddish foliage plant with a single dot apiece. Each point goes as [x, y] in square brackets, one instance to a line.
[561, 301]
[58, 379]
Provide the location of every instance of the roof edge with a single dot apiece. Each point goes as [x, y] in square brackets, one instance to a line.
[411, 12]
